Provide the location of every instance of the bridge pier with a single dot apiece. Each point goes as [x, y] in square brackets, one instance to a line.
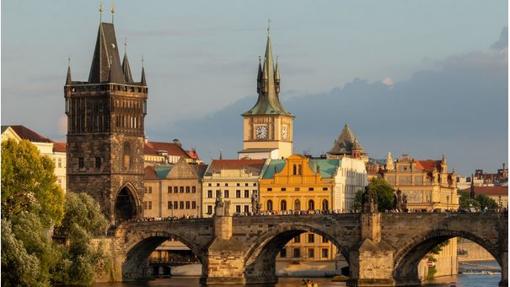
[372, 261]
[504, 270]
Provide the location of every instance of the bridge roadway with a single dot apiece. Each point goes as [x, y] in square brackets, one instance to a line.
[382, 249]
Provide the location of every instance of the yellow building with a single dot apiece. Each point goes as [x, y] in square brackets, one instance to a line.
[54, 150]
[267, 127]
[300, 184]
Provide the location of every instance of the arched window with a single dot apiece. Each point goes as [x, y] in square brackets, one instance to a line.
[126, 156]
[283, 205]
[269, 205]
[325, 204]
[297, 204]
[311, 205]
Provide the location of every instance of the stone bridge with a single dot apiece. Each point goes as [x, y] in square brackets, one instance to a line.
[382, 249]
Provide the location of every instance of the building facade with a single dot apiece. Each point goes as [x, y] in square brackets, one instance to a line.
[235, 180]
[105, 136]
[161, 153]
[298, 184]
[56, 151]
[268, 129]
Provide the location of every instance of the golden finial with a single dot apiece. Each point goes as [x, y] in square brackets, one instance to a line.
[113, 10]
[268, 26]
[101, 8]
[69, 61]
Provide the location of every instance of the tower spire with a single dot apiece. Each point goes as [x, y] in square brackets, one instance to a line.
[143, 81]
[101, 8]
[68, 78]
[126, 69]
[112, 9]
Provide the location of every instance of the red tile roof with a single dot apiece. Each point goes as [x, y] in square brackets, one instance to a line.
[28, 134]
[59, 147]
[170, 148]
[492, 190]
[255, 165]
[150, 173]
[428, 165]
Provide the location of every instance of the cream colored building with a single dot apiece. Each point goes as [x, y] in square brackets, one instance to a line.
[235, 180]
[54, 150]
[268, 129]
[350, 177]
[161, 153]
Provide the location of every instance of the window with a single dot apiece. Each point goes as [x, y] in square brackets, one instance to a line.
[246, 193]
[226, 193]
[238, 193]
[193, 205]
[294, 169]
[283, 252]
[269, 189]
[209, 209]
[149, 189]
[169, 205]
[269, 205]
[187, 189]
[325, 253]
[325, 204]
[238, 184]
[324, 189]
[218, 184]
[311, 253]
[324, 240]
[98, 162]
[300, 171]
[297, 253]
[176, 205]
[310, 189]
[254, 184]
[181, 189]
[218, 193]
[188, 205]
[284, 189]
[283, 205]
[209, 184]
[150, 204]
[176, 189]
[81, 162]
[60, 162]
[297, 239]
[296, 188]
[311, 205]
[169, 189]
[246, 208]
[181, 204]
[297, 204]
[238, 208]
[126, 156]
[246, 184]
[311, 238]
[226, 184]
[209, 194]
[193, 189]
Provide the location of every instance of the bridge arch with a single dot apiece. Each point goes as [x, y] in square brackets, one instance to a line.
[127, 204]
[140, 246]
[408, 257]
[260, 259]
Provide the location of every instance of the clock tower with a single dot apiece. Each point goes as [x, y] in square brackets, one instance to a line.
[267, 126]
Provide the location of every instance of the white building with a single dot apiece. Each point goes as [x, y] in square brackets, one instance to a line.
[351, 176]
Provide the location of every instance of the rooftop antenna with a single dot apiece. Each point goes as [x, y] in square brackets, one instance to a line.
[101, 8]
[113, 10]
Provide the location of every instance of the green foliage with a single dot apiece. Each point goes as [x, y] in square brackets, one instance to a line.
[29, 184]
[83, 219]
[357, 201]
[384, 193]
[480, 202]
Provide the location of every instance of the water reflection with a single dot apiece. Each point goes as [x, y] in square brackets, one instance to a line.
[471, 280]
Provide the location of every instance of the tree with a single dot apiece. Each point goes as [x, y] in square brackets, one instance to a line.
[83, 219]
[29, 184]
[480, 202]
[384, 193]
[486, 203]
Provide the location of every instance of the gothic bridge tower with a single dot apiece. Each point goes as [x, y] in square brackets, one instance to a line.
[105, 131]
[267, 127]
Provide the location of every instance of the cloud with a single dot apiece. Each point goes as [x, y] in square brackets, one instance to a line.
[502, 42]
[458, 108]
[62, 125]
[388, 81]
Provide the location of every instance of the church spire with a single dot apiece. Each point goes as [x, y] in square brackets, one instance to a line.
[126, 69]
[68, 78]
[143, 81]
[268, 85]
[106, 57]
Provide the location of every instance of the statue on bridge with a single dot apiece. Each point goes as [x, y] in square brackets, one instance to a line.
[255, 205]
[221, 208]
[369, 201]
[397, 201]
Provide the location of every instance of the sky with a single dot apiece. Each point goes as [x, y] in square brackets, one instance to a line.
[424, 78]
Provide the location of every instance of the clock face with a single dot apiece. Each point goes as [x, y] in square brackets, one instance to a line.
[285, 132]
[261, 132]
